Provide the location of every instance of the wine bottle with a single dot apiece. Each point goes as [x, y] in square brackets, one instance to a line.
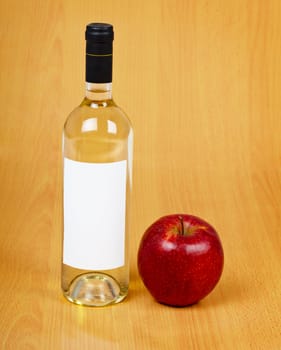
[97, 182]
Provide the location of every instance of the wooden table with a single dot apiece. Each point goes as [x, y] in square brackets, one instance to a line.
[201, 81]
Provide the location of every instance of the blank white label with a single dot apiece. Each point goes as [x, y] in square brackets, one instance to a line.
[94, 214]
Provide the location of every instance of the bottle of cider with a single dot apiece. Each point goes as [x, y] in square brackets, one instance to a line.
[97, 181]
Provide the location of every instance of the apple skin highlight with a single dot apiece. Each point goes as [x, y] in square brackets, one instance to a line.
[180, 259]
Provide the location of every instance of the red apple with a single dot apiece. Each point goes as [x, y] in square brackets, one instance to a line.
[180, 259]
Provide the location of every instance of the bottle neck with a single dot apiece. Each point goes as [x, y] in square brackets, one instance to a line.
[98, 62]
[99, 91]
[99, 48]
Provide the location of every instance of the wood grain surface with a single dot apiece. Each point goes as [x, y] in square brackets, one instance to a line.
[201, 82]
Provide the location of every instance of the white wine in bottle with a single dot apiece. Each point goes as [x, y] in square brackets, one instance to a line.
[97, 181]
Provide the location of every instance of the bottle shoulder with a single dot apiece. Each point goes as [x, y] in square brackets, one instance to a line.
[94, 117]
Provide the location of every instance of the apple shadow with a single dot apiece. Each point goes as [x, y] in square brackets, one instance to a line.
[232, 288]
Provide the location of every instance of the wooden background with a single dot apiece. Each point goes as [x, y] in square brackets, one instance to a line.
[201, 82]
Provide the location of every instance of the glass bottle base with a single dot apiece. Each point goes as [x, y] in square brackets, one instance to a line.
[94, 289]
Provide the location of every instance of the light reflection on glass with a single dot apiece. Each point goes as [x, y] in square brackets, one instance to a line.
[90, 125]
[111, 127]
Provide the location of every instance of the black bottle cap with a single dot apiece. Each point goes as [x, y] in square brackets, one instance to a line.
[99, 32]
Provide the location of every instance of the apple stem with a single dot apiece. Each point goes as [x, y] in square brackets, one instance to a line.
[182, 226]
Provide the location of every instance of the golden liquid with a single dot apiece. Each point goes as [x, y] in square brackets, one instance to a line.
[98, 132]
